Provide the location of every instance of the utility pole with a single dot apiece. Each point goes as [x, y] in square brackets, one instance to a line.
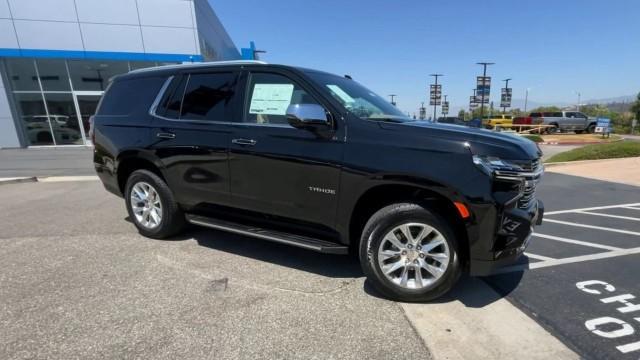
[392, 99]
[484, 78]
[423, 112]
[578, 105]
[526, 99]
[506, 86]
[435, 100]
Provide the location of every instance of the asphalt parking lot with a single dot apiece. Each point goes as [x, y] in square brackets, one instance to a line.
[79, 282]
[581, 281]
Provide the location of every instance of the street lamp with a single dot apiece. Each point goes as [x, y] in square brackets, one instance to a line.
[526, 99]
[392, 99]
[578, 105]
[484, 78]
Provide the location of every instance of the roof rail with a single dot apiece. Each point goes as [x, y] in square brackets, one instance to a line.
[201, 64]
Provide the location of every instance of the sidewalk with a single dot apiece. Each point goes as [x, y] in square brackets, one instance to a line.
[46, 162]
[624, 171]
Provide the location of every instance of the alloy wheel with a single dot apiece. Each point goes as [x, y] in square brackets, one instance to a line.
[146, 205]
[413, 255]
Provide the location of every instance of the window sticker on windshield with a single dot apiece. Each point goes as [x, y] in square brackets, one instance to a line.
[341, 94]
[271, 99]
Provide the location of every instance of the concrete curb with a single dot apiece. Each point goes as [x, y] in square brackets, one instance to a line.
[16, 180]
[547, 165]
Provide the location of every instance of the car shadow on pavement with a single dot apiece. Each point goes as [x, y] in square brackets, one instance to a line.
[335, 266]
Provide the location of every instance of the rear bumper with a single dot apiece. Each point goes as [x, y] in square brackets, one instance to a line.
[109, 179]
[512, 239]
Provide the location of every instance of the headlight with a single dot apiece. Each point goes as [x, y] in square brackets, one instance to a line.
[493, 165]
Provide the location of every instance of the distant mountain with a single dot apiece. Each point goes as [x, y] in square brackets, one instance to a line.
[619, 99]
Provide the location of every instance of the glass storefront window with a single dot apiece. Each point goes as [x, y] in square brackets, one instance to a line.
[94, 75]
[63, 118]
[33, 117]
[53, 75]
[22, 74]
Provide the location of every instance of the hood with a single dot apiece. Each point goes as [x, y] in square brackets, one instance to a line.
[481, 141]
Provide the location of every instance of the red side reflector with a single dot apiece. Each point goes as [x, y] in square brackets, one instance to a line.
[464, 212]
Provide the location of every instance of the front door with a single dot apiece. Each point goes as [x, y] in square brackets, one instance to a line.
[277, 169]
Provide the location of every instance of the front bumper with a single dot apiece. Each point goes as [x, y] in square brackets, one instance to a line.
[512, 238]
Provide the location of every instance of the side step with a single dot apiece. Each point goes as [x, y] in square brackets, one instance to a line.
[305, 242]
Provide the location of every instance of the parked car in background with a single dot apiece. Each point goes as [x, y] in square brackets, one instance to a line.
[492, 121]
[561, 121]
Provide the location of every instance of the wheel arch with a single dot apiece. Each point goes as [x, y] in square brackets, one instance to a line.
[131, 161]
[378, 196]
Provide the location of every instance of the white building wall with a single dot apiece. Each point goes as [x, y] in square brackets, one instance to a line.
[138, 26]
[8, 132]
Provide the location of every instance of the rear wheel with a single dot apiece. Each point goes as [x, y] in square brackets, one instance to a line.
[151, 205]
[409, 254]
[591, 129]
[553, 129]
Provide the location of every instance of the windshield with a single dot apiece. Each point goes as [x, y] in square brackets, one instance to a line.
[359, 100]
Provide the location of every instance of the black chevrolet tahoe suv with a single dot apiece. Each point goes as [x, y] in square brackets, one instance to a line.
[314, 160]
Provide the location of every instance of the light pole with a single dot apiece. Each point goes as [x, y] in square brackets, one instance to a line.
[506, 86]
[435, 100]
[578, 104]
[392, 99]
[526, 99]
[484, 78]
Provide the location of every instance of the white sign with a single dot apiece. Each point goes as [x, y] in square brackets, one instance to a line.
[271, 99]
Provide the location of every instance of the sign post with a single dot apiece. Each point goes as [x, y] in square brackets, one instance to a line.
[603, 126]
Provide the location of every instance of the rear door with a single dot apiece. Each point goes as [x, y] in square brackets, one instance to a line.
[574, 120]
[192, 126]
[277, 169]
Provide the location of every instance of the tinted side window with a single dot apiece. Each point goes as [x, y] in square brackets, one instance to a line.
[209, 97]
[269, 97]
[536, 115]
[570, 114]
[172, 100]
[130, 96]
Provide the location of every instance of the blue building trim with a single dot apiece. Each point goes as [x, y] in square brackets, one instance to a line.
[102, 55]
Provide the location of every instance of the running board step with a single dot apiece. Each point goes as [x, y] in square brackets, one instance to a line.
[305, 242]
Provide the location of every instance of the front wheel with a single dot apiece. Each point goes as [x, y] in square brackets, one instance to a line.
[409, 253]
[151, 205]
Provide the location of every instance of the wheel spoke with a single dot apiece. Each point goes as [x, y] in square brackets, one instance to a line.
[418, 272]
[404, 278]
[426, 248]
[426, 230]
[440, 257]
[155, 216]
[406, 231]
[387, 254]
[435, 271]
[388, 269]
[391, 237]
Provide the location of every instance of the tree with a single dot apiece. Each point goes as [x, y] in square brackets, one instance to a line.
[636, 107]
[461, 114]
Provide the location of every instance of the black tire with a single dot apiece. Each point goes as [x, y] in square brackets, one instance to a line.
[591, 129]
[553, 129]
[172, 220]
[384, 221]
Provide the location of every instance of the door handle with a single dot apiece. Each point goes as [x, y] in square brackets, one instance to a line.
[166, 135]
[244, 142]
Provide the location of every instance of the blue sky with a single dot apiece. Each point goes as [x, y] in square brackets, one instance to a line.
[555, 48]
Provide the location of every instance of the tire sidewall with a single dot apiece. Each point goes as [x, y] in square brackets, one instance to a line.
[389, 218]
[165, 198]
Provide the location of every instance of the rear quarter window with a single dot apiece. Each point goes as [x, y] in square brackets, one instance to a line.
[130, 96]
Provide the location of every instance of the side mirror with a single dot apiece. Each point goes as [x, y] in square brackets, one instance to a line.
[308, 116]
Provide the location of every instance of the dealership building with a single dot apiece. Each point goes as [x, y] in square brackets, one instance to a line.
[57, 56]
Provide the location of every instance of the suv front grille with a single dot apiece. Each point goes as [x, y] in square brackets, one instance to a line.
[529, 191]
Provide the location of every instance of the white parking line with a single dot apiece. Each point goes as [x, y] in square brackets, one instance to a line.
[608, 215]
[633, 206]
[538, 257]
[576, 242]
[569, 260]
[593, 227]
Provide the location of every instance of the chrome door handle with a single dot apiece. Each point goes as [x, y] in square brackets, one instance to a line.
[166, 135]
[244, 142]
